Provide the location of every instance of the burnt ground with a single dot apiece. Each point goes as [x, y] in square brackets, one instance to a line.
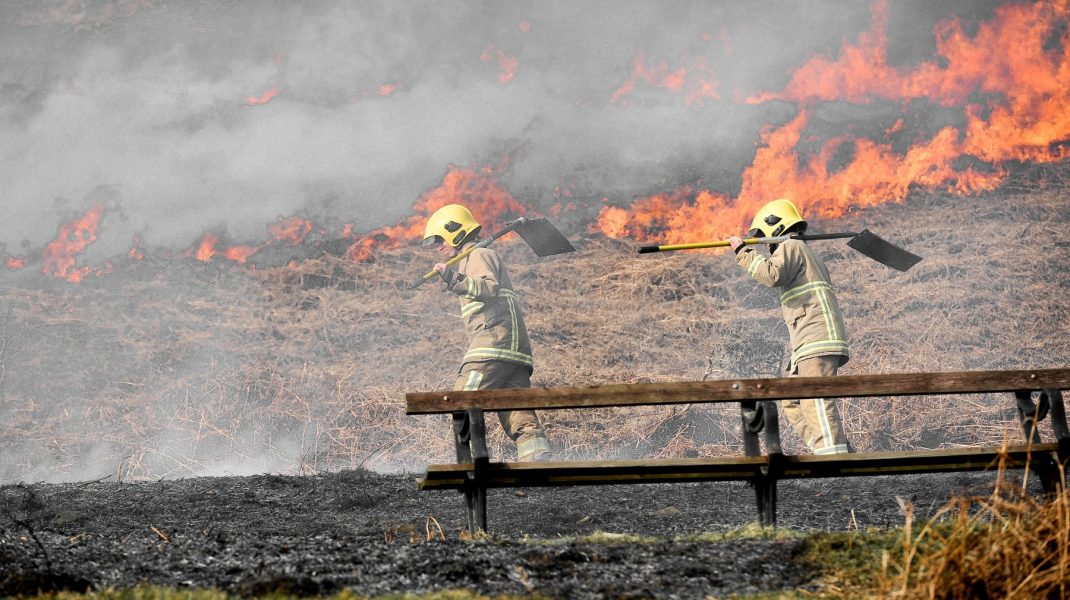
[369, 533]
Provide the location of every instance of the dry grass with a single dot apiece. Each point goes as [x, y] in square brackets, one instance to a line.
[174, 368]
[1005, 545]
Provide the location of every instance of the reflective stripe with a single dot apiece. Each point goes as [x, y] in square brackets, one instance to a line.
[474, 306]
[477, 354]
[823, 420]
[826, 310]
[472, 291]
[514, 343]
[805, 288]
[822, 290]
[510, 300]
[531, 445]
[474, 379]
[829, 346]
[512, 353]
[754, 264]
[471, 308]
[836, 449]
[822, 345]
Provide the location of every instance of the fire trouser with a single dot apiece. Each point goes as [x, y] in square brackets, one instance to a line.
[522, 426]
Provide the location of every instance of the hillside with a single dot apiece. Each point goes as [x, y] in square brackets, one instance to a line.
[173, 368]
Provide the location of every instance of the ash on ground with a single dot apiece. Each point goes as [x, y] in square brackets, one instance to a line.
[376, 534]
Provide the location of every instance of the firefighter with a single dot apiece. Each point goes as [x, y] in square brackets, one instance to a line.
[815, 324]
[499, 352]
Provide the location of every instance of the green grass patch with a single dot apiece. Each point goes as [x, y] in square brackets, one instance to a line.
[751, 531]
[849, 564]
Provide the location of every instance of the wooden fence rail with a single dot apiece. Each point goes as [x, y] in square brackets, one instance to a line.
[1037, 393]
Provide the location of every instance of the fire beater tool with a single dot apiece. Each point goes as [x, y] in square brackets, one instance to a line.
[866, 242]
[539, 233]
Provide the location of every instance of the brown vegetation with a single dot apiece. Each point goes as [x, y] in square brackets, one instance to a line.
[1004, 545]
[173, 368]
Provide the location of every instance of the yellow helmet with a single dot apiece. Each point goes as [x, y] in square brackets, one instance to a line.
[775, 218]
[451, 225]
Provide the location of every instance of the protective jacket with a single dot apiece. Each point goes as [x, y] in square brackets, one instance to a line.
[815, 323]
[490, 309]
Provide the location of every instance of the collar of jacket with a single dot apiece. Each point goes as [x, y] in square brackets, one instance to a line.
[467, 245]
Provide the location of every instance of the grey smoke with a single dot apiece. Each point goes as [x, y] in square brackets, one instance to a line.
[144, 109]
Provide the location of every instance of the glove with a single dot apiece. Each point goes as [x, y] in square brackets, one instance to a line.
[450, 277]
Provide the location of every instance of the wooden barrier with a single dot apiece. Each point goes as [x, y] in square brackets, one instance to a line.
[1037, 394]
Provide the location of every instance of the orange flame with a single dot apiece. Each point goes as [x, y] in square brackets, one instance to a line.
[1011, 61]
[292, 230]
[136, 253]
[240, 254]
[696, 88]
[875, 175]
[71, 240]
[489, 202]
[263, 98]
[506, 64]
[15, 263]
[206, 248]
[387, 88]
[559, 209]
[679, 215]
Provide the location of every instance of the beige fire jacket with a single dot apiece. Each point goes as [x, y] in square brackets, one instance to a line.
[490, 309]
[815, 323]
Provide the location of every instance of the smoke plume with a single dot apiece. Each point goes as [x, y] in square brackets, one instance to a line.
[182, 118]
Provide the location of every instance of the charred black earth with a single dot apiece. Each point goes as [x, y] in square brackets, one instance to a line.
[376, 534]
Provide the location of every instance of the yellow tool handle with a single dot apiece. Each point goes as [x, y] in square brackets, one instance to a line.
[717, 244]
[480, 244]
[428, 276]
[749, 241]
